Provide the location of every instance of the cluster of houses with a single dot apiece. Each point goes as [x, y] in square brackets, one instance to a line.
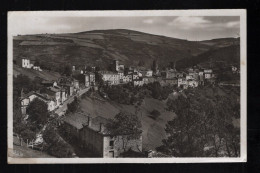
[54, 93]
[29, 63]
[138, 76]
[91, 131]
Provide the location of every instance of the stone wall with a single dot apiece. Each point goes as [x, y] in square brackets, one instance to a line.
[92, 140]
[119, 143]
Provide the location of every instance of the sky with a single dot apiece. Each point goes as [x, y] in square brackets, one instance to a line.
[194, 28]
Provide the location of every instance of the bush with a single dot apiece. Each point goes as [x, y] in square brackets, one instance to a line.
[56, 146]
[74, 105]
[155, 114]
[28, 134]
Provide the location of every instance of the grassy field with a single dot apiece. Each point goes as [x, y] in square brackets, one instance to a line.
[153, 130]
[24, 152]
[46, 75]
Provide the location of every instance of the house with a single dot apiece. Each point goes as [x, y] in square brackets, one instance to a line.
[169, 82]
[47, 83]
[92, 134]
[179, 74]
[118, 66]
[169, 73]
[189, 77]
[109, 77]
[54, 93]
[192, 83]
[127, 78]
[135, 76]
[38, 68]
[208, 73]
[25, 62]
[76, 84]
[138, 82]
[89, 79]
[149, 73]
[201, 73]
[121, 75]
[69, 88]
[182, 82]
[149, 79]
[29, 97]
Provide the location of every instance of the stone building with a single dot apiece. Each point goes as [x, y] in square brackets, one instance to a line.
[109, 77]
[89, 79]
[93, 135]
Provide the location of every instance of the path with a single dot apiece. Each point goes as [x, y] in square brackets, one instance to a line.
[61, 110]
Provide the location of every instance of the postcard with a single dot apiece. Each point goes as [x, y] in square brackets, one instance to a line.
[148, 86]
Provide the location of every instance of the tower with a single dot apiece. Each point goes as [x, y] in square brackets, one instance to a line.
[116, 65]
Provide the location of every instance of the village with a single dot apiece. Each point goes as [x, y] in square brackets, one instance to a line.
[90, 130]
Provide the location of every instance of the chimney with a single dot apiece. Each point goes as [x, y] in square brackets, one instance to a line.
[101, 128]
[89, 121]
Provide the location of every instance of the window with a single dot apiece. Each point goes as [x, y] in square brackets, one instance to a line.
[111, 144]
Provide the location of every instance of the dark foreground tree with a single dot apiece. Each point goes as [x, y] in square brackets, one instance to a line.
[56, 146]
[202, 128]
[38, 111]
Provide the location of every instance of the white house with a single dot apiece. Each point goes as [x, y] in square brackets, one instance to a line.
[26, 63]
[192, 83]
[127, 78]
[28, 98]
[111, 77]
[182, 82]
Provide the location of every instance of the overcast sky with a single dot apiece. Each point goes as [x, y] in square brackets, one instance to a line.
[185, 27]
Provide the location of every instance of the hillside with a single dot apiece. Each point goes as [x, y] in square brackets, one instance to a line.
[100, 47]
[222, 56]
[153, 130]
[46, 75]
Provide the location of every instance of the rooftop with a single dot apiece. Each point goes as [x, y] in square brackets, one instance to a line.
[54, 89]
[79, 120]
[108, 72]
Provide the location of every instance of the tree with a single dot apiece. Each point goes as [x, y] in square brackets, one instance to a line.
[56, 146]
[74, 105]
[182, 133]
[127, 125]
[156, 90]
[141, 63]
[67, 70]
[203, 127]
[37, 63]
[80, 78]
[28, 134]
[155, 114]
[88, 68]
[38, 111]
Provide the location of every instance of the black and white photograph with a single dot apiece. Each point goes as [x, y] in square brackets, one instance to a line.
[155, 86]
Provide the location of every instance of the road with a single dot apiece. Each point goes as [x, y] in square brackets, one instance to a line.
[61, 110]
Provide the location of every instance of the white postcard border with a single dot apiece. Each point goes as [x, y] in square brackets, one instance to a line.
[243, 82]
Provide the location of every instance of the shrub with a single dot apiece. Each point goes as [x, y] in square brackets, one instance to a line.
[28, 134]
[56, 146]
[155, 114]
